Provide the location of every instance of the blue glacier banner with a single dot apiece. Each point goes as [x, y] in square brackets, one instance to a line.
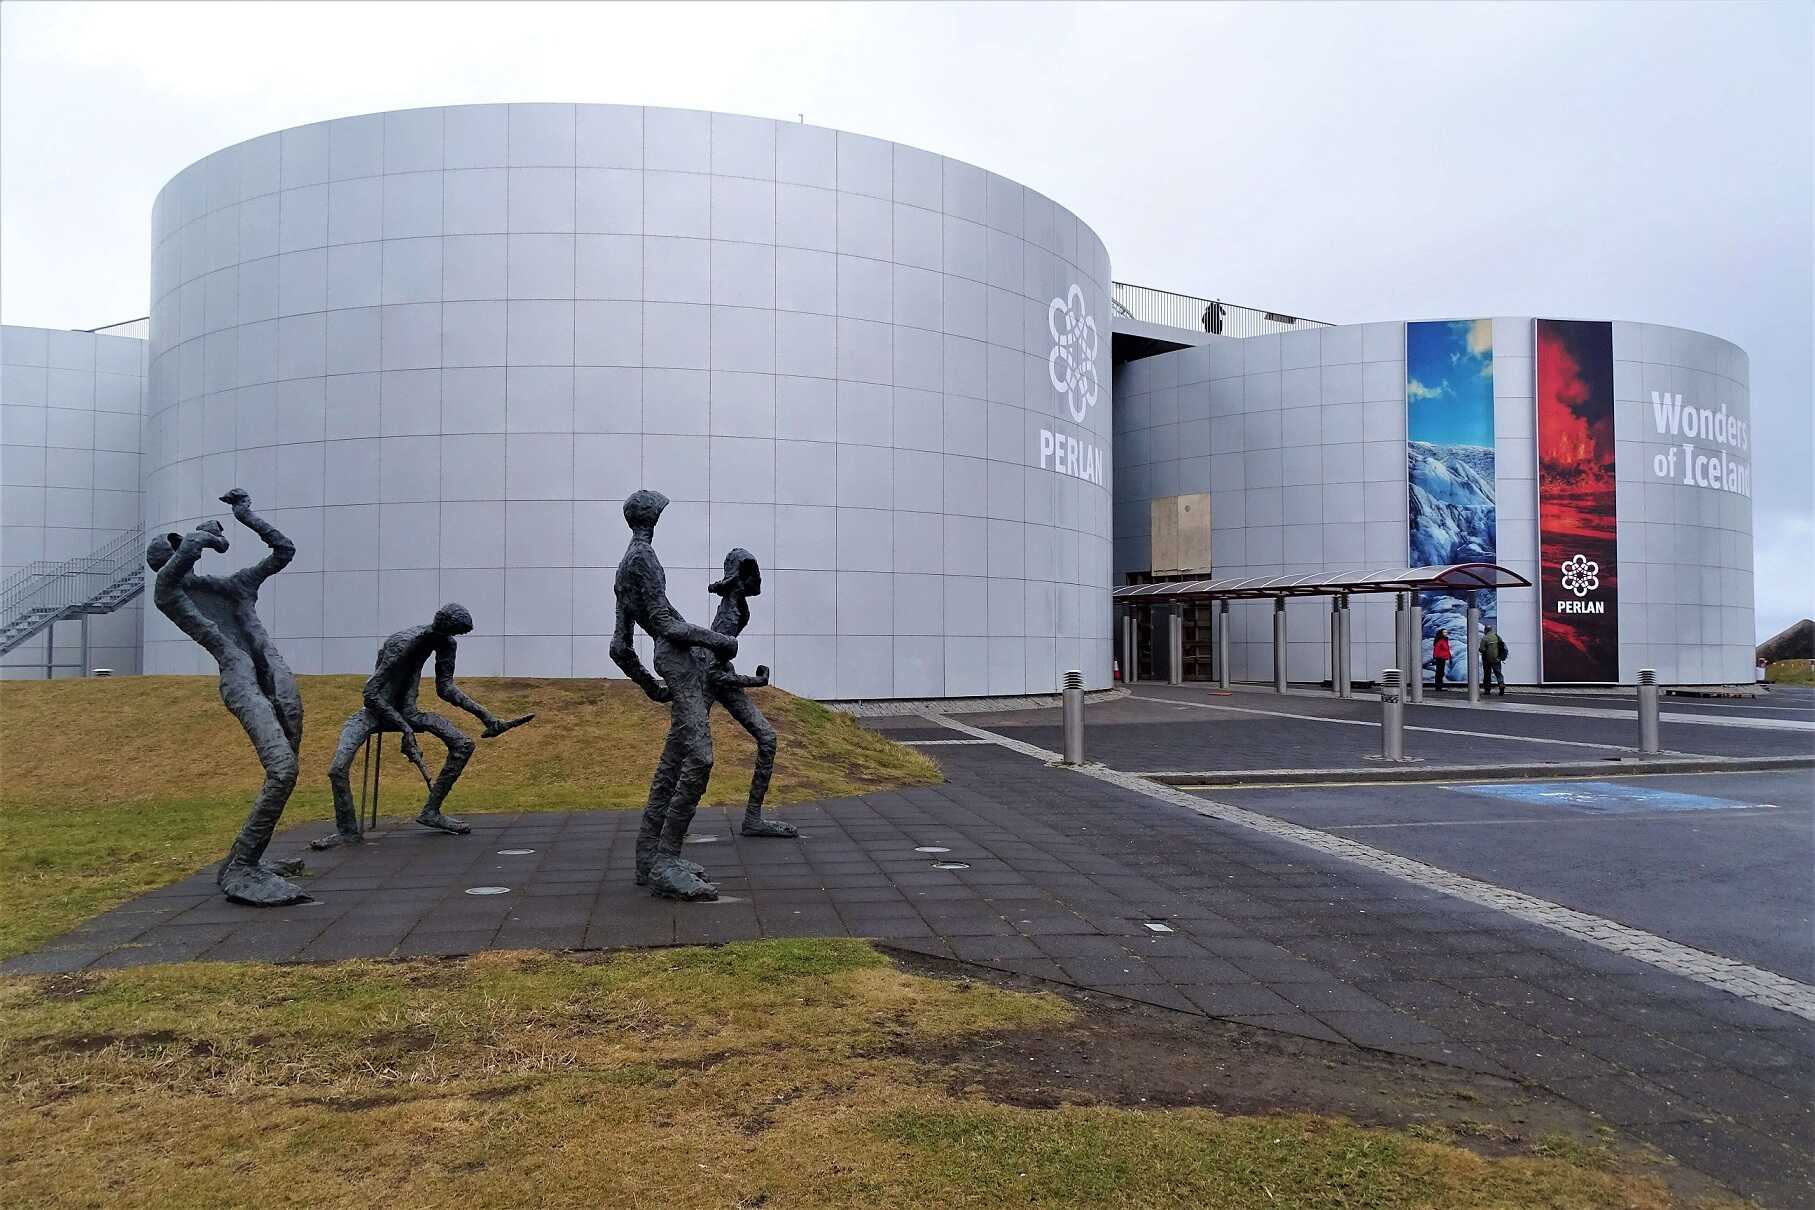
[1449, 444]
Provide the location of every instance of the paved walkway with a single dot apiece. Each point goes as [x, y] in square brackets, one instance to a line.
[1065, 877]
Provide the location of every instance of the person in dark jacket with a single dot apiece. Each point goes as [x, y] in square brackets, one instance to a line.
[1440, 654]
[1493, 657]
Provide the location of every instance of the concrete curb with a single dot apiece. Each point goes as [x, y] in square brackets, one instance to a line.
[1619, 767]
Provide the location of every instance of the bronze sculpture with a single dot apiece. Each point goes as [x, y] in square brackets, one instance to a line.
[641, 588]
[221, 614]
[390, 705]
[744, 579]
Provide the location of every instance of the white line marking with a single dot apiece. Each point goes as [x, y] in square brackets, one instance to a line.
[1760, 986]
[1362, 722]
[934, 743]
[1648, 816]
[1668, 716]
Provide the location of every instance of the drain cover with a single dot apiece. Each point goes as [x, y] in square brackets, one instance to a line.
[1154, 926]
[951, 865]
[488, 890]
[699, 840]
[515, 852]
[931, 848]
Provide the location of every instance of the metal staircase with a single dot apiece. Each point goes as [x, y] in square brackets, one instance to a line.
[41, 594]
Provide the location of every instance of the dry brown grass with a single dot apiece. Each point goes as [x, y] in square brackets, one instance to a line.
[773, 1074]
[593, 744]
[111, 787]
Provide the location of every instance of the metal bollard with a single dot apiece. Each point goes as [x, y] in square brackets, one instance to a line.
[1279, 644]
[1175, 645]
[1342, 621]
[1414, 645]
[1648, 695]
[1474, 656]
[1222, 644]
[1074, 717]
[1392, 714]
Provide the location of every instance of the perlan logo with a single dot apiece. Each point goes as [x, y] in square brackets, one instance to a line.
[1072, 364]
[1581, 576]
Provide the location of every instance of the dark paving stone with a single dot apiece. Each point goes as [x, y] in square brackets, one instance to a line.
[50, 962]
[1378, 1028]
[437, 945]
[1238, 1000]
[1782, 1174]
[1107, 972]
[1303, 1025]
[1631, 1100]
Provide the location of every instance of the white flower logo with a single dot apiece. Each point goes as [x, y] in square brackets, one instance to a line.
[1581, 576]
[1072, 364]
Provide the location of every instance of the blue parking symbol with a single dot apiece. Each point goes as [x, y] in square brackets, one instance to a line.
[1604, 797]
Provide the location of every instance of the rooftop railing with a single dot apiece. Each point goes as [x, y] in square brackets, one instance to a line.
[1212, 315]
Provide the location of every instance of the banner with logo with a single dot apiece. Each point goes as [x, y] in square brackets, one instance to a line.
[1449, 453]
[1578, 562]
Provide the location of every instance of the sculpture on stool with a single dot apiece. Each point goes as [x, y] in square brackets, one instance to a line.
[641, 588]
[390, 705]
[221, 614]
[744, 579]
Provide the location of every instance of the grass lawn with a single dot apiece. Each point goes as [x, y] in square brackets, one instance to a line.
[1791, 672]
[111, 787]
[779, 1073]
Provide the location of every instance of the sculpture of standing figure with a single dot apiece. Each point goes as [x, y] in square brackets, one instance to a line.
[221, 614]
[390, 705]
[641, 588]
[744, 579]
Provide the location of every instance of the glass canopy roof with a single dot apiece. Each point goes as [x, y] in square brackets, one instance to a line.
[1455, 577]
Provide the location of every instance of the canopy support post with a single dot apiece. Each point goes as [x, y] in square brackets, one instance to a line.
[1222, 643]
[1279, 645]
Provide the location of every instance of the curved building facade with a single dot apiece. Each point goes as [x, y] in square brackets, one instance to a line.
[1343, 448]
[440, 346]
[70, 409]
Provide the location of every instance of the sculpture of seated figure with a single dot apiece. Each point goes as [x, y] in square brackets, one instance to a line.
[390, 705]
[744, 579]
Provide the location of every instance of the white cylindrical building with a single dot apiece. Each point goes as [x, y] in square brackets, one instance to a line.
[1300, 441]
[440, 346]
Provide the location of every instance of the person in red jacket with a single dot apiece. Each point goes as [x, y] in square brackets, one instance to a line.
[1440, 654]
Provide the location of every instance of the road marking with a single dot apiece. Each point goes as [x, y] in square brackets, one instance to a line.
[1337, 778]
[934, 743]
[1362, 722]
[1668, 716]
[1469, 823]
[1752, 983]
[1602, 797]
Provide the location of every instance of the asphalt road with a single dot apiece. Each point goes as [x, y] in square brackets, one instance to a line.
[1734, 874]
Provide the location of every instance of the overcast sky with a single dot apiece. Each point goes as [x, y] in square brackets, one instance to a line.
[1345, 163]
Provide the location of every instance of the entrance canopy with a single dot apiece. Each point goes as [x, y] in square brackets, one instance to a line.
[1456, 577]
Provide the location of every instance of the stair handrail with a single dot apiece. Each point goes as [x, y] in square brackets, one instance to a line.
[45, 587]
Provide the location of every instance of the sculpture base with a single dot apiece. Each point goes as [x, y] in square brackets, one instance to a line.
[670, 879]
[257, 886]
[444, 823]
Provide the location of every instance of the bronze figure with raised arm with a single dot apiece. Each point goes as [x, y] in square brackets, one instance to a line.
[390, 705]
[641, 588]
[743, 580]
[221, 614]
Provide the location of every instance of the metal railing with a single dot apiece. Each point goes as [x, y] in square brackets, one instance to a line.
[42, 593]
[1202, 314]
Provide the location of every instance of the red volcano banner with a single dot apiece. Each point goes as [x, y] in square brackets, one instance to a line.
[1578, 588]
